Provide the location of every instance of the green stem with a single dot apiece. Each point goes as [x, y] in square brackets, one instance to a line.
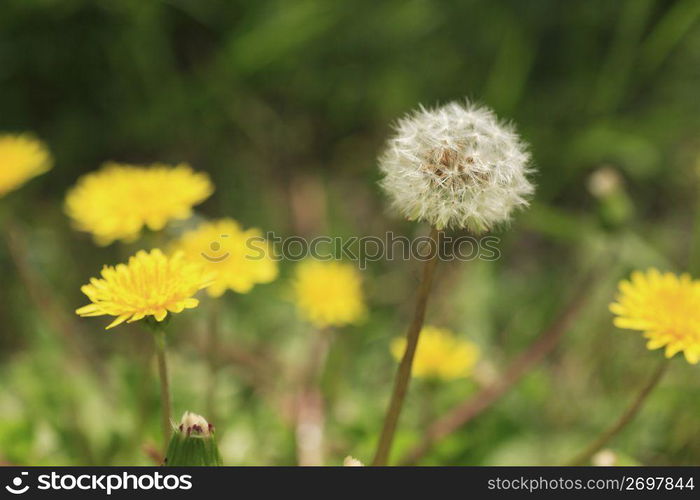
[625, 418]
[403, 374]
[213, 346]
[165, 405]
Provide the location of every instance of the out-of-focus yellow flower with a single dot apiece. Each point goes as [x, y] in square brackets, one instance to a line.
[118, 201]
[239, 259]
[665, 307]
[151, 284]
[440, 354]
[328, 293]
[22, 157]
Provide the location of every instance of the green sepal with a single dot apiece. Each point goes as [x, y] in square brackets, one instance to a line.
[193, 450]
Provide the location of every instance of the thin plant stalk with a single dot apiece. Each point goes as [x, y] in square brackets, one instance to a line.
[213, 345]
[165, 404]
[622, 422]
[403, 374]
[309, 413]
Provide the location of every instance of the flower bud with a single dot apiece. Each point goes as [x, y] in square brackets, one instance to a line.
[193, 443]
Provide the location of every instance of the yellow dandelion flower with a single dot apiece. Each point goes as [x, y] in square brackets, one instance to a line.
[239, 259]
[22, 158]
[665, 307]
[151, 284]
[118, 201]
[440, 354]
[328, 293]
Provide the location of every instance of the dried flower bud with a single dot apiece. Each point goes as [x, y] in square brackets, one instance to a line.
[192, 443]
[456, 166]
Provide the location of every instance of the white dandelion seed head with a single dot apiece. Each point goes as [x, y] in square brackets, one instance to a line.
[456, 166]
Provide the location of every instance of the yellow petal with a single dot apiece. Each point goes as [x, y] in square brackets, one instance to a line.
[120, 319]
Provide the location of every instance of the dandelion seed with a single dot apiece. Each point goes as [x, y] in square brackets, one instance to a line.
[239, 259]
[666, 307]
[119, 201]
[151, 284]
[328, 293]
[22, 157]
[456, 166]
[440, 354]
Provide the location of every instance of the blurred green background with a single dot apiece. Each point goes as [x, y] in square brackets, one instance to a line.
[286, 105]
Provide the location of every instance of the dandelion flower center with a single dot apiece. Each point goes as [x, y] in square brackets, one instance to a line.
[21, 158]
[151, 284]
[118, 201]
[666, 307]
